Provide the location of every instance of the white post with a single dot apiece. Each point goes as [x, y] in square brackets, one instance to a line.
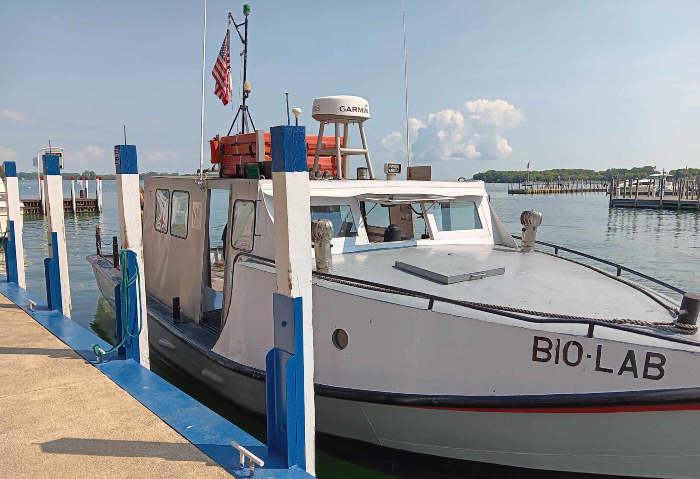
[58, 286]
[15, 250]
[99, 194]
[87, 187]
[72, 194]
[129, 202]
[42, 194]
[290, 180]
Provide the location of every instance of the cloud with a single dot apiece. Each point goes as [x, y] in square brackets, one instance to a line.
[89, 158]
[7, 154]
[160, 157]
[472, 132]
[11, 115]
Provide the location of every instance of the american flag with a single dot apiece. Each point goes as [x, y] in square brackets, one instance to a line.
[222, 71]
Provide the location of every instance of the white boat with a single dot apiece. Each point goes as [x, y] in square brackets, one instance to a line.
[540, 363]
[649, 185]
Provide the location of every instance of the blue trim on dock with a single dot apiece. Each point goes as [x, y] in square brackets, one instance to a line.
[52, 273]
[125, 160]
[52, 165]
[288, 149]
[11, 254]
[208, 431]
[10, 169]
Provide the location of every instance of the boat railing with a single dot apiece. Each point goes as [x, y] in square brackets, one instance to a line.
[506, 311]
[618, 267]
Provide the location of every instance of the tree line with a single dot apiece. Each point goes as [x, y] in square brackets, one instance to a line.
[564, 174]
[89, 174]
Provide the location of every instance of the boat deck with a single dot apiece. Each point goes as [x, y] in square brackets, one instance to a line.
[62, 417]
[531, 281]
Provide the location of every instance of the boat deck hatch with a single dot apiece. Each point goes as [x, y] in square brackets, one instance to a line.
[450, 269]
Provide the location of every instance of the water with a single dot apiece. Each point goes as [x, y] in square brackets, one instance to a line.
[661, 243]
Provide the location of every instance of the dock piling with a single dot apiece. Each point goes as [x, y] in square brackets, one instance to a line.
[128, 199]
[290, 364]
[99, 194]
[58, 294]
[72, 194]
[14, 247]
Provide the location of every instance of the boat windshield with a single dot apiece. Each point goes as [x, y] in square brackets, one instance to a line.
[340, 216]
[411, 218]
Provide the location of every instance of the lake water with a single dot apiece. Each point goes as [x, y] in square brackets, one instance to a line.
[661, 243]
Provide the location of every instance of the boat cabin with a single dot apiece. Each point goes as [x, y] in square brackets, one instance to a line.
[180, 255]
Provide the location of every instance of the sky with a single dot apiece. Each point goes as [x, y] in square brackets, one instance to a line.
[492, 85]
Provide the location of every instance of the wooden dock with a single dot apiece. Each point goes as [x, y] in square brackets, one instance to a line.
[684, 194]
[32, 206]
[555, 188]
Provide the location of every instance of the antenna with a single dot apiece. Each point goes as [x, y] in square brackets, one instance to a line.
[287, 95]
[246, 85]
[124, 135]
[201, 122]
[405, 77]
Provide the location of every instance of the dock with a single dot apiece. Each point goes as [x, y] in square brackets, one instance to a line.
[32, 206]
[64, 415]
[682, 194]
[61, 415]
[553, 188]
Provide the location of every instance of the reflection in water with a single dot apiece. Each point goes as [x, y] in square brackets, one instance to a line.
[104, 324]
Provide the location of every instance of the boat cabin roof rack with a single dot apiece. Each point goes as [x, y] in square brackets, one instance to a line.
[505, 311]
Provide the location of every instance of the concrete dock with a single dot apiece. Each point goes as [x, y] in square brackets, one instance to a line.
[62, 417]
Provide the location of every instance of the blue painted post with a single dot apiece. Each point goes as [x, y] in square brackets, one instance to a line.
[14, 249]
[128, 199]
[290, 364]
[56, 265]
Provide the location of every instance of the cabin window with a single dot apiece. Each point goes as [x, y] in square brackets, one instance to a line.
[243, 232]
[455, 216]
[407, 216]
[179, 214]
[162, 210]
[340, 216]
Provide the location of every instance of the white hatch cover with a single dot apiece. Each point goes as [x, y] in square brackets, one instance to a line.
[450, 269]
[341, 107]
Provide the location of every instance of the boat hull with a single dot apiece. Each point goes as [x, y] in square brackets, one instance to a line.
[651, 440]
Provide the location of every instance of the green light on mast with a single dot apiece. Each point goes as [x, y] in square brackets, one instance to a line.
[246, 9]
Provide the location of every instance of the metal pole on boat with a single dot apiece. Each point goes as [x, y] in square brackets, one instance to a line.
[72, 194]
[201, 121]
[290, 364]
[14, 249]
[56, 265]
[128, 200]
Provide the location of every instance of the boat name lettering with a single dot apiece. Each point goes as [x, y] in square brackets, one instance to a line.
[572, 354]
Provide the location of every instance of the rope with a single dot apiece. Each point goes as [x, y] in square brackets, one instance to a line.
[125, 305]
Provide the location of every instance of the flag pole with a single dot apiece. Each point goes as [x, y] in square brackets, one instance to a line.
[201, 123]
[405, 78]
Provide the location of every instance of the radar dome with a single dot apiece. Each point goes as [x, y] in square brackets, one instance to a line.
[341, 107]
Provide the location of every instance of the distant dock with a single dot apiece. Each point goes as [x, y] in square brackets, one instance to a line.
[552, 188]
[680, 194]
[79, 202]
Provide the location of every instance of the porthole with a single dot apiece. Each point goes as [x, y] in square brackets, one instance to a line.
[340, 339]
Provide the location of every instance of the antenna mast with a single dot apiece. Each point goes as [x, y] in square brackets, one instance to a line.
[243, 109]
[405, 77]
[201, 122]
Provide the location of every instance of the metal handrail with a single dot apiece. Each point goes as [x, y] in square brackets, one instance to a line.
[620, 268]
